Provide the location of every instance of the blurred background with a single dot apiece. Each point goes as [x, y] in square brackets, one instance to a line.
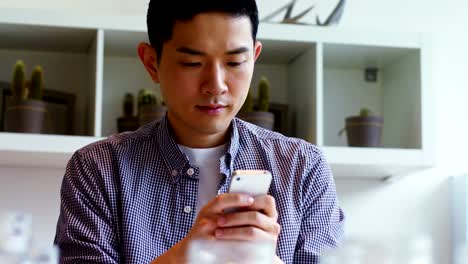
[428, 203]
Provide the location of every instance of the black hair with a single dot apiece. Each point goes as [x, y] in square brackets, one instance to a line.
[163, 14]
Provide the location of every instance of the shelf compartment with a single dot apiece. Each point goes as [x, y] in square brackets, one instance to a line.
[65, 54]
[291, 71]
[123, 73]
[395, 95]
[45, 38]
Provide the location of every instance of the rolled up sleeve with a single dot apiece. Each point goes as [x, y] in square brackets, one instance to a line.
[85, 232]
[322, 224]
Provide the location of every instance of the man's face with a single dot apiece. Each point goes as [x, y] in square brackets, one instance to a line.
[205, 72]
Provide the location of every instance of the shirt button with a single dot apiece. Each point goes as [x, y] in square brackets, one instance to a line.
[190, 172]
[174, 173]
[187, 209]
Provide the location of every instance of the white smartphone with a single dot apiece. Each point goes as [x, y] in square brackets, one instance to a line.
[252, 182]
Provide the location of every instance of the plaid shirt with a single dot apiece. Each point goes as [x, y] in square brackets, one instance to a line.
[131, 197]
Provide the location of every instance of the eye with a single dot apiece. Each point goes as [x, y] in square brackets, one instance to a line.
[190, 64]
[234, 64]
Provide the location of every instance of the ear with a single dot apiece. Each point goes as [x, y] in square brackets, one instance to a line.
[257, 49]
[148, 57]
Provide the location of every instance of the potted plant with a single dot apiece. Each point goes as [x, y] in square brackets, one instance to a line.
[364, 130]
[150, 108]
[128, 122]
[258, 114]
[26, 112]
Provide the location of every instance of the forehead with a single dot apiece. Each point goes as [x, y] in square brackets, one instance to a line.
[213, 28]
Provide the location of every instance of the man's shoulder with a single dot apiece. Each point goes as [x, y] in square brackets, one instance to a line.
[251, 134]
[122, 142]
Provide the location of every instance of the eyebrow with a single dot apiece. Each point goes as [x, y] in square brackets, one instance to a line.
[191, 51]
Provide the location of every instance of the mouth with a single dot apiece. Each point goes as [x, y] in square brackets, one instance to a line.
[211, 109]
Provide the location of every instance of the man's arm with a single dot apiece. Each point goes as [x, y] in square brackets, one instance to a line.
[84, 229]
[323, 221]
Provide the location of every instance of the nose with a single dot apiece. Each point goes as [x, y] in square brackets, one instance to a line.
[214, 79]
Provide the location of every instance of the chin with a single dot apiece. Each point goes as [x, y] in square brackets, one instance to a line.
[214, 127]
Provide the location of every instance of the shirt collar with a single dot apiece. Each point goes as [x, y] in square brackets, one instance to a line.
[233, 145]
[177, 162]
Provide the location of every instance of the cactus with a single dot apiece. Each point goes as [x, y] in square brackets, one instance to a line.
[128, 104]
[263, 98]
[18, 85]
[365, 112]
[23, 89]
[263, 94]
[36, 87]
[147, 97]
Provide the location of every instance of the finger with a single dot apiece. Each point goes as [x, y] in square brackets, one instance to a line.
[228, 200]
[247, 233]
[265, 204]
[206, 225]
[250, 218]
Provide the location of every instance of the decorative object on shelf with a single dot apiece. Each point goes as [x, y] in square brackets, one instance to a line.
[281, 114]
[60, 109]
[128, 122]
[330, 10]
[150, 107]
[27, 111]
[259, 115]
[371, 74]
[364, 130]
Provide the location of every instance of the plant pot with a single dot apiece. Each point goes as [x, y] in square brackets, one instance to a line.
[150, 113]
[259, 118]
[364, 131]
[127, 123]
[26, 116]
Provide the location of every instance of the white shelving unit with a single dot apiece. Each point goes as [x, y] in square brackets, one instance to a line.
[317, 72]
[39, 151]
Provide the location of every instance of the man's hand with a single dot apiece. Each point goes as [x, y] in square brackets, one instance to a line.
[256, 221]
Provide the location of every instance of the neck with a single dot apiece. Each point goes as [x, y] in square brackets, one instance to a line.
[193, 139]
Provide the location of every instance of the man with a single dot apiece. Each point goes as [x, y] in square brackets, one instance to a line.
[145, 196]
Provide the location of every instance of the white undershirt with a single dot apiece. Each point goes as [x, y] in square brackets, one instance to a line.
[207, 160]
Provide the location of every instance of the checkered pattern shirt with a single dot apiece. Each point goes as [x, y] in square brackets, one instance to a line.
[131, 197]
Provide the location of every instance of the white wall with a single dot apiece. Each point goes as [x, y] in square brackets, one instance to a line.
[417, 204]
[82, 6]
[33, 191]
